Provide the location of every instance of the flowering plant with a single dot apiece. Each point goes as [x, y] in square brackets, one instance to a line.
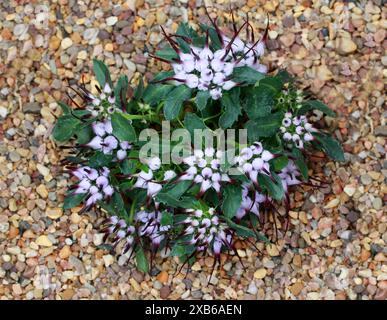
[192, 192]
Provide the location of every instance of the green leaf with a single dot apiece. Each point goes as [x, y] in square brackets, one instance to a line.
[154, 93]
[65, 108]
[141, 260]
[120, 92]
[300, 163]
[274, 188]
[192, 122]
[138, 93]
[167, 53]
[101, 73]
[171, 194]
[122, 128]
[331, 146]
[73, 200]
[272, 83]
[284, 76]
[263, 127]
[163, 75]
[246, 75]
[166, 218]
[279, 163]
[174, 101]
[178, 250]
[259, 102]
[99, 159]
[65, 128]
[84, 134]
[118, 205]
[316, 105]
[201, 99]
[245, 232]
[231, 108]
[232, 199]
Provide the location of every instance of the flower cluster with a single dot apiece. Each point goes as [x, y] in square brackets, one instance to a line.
[207, 231]
[150, 226]
[103, 105]
[94, 183]
[253, 160]
[250, 203]
[149, 181]
[210, 69]
[104, 140]
[119, 233]
[205, 70]
[289, 175]
[296, 130]
[205, 169]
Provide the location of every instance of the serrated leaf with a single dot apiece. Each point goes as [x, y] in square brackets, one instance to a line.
[138, 93]
[84, 134]
[178, 250]
[259, 102]
[246, 75]
[192, 122]
[300, 163]
[263, 127]
[201, 99]
[73, 200]
[279, 163]
[166, 218]
[232, 199]
[231, 108]
[245, 232]
[167, 53]
[154, 93]
[331, 146]
[274, 188]
[101, 73]
[65, 108]
[174, 101]
[142, 261]
[273, 84]
[65, 128]
[122, 128]
[316, 105]
[120, 92]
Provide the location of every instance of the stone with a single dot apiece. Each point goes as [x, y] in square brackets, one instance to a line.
[43, 241]
[345, 45]
[381, 131]
[77, 264]
[32, 107]
[162, 277]
[272, 250]
[54, 213]
[164, 292]
[66, 43]
[65, 252]
[350, 190]
[42, 191]
[287, 39]
[377, 203]
[365, 179]
[108, 260]
[296, 288]
[111, 21]
[260, 273]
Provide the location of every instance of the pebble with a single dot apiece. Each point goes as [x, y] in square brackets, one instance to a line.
[66, 43]
[43, 241]
[111, 21]
[365, 179]
[260, 273]
[345, 46]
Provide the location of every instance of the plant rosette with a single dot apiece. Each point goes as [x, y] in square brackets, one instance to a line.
[200, 204]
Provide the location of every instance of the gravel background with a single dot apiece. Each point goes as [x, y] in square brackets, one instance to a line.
[337, 247]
